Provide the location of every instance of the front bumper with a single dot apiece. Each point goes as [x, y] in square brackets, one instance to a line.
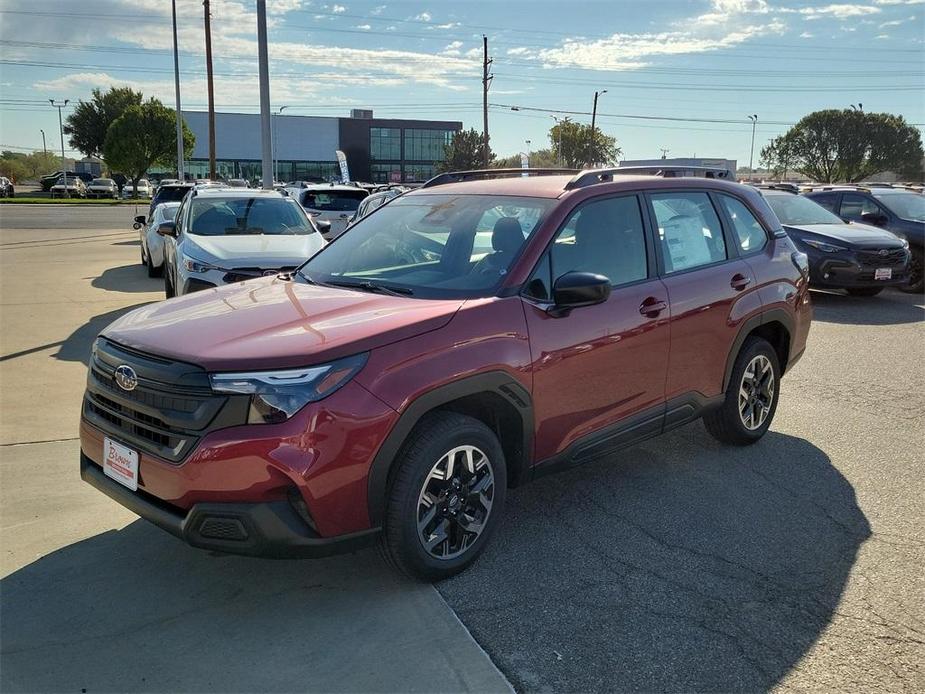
[271, 529]
[846, 272]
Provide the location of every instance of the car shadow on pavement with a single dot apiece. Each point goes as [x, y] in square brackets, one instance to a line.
[679, 565]
[127, 278]
[887, 308]
[137, 610]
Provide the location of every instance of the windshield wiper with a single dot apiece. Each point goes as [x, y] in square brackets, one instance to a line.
[369, 286]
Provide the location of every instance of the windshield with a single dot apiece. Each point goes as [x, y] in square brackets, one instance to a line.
[433, 246]
[333, 200]
[795, 209]
[248, 215]
[904, 205]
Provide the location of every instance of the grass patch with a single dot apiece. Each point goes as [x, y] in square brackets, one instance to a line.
[71, 201]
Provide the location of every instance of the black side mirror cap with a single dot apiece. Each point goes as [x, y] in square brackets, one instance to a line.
[140, 219]
[577, 289]
[168, 229]
[323, 226]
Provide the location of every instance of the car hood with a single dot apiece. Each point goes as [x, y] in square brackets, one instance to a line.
[253, 250]
[270, 323]
[857, 235]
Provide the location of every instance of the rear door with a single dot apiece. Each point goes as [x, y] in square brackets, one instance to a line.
[598, 372]
[710, 289]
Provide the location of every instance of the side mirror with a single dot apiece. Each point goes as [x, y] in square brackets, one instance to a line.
[323, 226]
[874, 218]
[168, 229]
[577, 289]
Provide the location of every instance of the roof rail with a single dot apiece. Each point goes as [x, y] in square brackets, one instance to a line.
[592, 176]
[788, 187]
[478, 174]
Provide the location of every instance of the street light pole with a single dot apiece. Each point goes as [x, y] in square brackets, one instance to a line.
[44, 148]
[559, 143]
[751, 155]
[263, 68]
[61, 128]
[594, 118]
[176, 80]
[279, 112]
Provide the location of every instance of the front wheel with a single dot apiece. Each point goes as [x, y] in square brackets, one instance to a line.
[864, 291]
[916, 276]
[751, 396]
[168, 286]
[446, 498]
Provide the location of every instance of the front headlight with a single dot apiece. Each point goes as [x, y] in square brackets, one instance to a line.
[823, 246]
[277, 395]
[198, 266]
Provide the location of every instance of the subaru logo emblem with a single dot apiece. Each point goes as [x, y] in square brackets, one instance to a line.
[884, 252]
[126, 377]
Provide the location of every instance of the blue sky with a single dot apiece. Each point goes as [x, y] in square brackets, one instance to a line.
[661, 62]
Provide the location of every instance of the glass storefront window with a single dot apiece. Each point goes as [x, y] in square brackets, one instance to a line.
[419, 172]
[384, 143]
[385, 173]
[426, 145]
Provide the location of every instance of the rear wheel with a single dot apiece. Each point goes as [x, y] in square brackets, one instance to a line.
[446, 498]
[864, 291]
[751, 396]
[916, 276]
[168, 286]
[153, 271]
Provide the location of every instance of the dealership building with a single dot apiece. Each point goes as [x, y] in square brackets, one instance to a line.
[377, 149]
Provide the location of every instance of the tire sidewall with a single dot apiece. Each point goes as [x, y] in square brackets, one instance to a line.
[752, 348]
[422, 458]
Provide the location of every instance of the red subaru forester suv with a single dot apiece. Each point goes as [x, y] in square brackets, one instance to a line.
[465, 338]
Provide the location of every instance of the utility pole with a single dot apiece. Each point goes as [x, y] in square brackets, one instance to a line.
[664, 152]
[486, 81]
[208, 26]
[594, 119]
[44, 148]
[751, 156]
[60, 106]
[176, 81]
[559, 139]
[263, 62]
[276, 116]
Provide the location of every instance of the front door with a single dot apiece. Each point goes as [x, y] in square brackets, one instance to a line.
[599, 366]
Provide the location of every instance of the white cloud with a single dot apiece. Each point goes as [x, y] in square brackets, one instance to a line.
[897, 22]
[453, 48]
[338, 9]
[423, 17]
[379, 9]
[448, 25]
[839, 11]
[899, 2]
[806, 35]
[880, 37]
[278, 7]
[364, 27]
[518, 51]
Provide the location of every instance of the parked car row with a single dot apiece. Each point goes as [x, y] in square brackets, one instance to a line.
[6, 188]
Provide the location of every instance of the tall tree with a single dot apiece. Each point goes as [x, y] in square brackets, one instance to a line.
[144, 136]
[86, 127]
[846, 146]
[575, 144]
[539, 159]
[465, 152]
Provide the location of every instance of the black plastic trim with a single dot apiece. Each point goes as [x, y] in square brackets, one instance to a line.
[498, 382]
[769, 316]
[273, 529]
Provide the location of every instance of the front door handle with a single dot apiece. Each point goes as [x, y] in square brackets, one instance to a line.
[739, 282]
[651, 307]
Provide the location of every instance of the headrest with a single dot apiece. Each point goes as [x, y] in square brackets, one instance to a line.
[507, 236]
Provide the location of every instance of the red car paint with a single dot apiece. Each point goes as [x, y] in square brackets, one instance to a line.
[592, 368]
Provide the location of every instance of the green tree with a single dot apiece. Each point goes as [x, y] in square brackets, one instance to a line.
[846, 146]
[13, 166]
[87, 125]
[465, 152]
[143, 136]
[539, 159]
[576, 146]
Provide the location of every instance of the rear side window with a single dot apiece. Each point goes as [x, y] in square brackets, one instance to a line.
[748, 230]
[689, 231]
[827, 200]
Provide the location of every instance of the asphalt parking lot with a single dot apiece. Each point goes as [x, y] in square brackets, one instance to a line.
[680, 566]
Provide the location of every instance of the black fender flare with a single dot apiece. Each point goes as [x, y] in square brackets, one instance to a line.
[498, 382]
[772, 315]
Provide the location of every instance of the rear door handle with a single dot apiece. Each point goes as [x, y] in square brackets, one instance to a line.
[651, 307]
[739, 282]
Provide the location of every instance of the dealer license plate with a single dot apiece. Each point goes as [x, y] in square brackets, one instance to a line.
[120, 463]
[883, 273]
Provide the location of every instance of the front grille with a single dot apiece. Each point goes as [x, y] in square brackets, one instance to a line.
[169, 410]
[895, 257]
[241, 274]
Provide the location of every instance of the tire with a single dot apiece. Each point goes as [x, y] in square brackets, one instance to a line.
[864, 291]
[168, 287]
[728, 423]
[916, 276]
[153, 271]
[455, 509]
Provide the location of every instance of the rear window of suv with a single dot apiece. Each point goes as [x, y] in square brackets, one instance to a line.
[333, 200]
[172, 193]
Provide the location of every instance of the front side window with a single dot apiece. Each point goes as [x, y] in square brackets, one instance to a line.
[750, 233]
[853, 206]
[689, 231]
[245, 216]
[432, 246]
[905, 205]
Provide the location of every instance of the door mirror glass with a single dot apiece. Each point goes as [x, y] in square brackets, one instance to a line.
[576, 289]
[168, 229]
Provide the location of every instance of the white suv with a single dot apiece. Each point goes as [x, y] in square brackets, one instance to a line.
[329, 202]
[226, 235]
